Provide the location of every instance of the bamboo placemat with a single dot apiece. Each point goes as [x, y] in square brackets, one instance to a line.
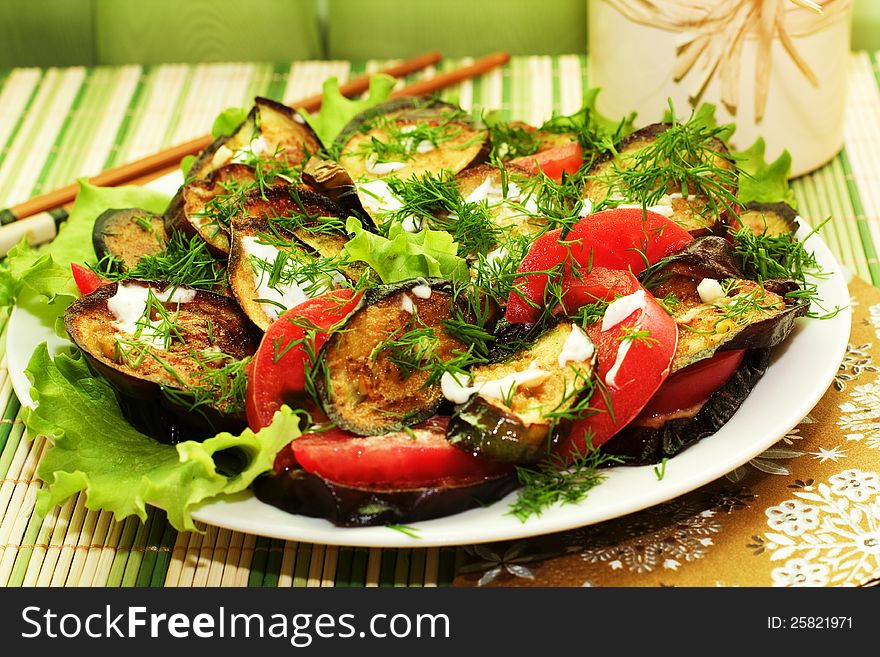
[58, 124]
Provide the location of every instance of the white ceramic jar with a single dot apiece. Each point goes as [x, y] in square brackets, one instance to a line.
[636, 51]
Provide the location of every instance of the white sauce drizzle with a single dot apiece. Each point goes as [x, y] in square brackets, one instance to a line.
[382, 168]
[577, 347]
[407, 304]
[710, 290]
[129, 305]
[611, 375]
[456, 391]
[622, 307]
[287, 294]
[422, 291]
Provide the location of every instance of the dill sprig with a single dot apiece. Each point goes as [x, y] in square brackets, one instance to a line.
[402, 140]
[687, 158]
[184, 261]
[553, 481]
[765, 256]
[435, 199]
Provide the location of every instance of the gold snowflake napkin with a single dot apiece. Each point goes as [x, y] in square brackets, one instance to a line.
[806, 512]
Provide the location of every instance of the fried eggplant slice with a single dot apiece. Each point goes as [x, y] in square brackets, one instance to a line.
[271, 131]
[312, 218]
[271, 270]
[717, 306]
[509, 195]
[204, 207]
[374, 373]
[670, 169]
[519, 408]
[297, 491]
[183, 348]
[772, 219]
[125, 235]
[410, 136]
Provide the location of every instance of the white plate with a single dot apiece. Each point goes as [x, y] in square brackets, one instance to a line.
[799, 374]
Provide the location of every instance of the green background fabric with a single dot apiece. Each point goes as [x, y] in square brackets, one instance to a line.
[358, 29]
[95, 32]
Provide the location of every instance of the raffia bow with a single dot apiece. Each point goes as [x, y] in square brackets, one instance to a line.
[714, 31]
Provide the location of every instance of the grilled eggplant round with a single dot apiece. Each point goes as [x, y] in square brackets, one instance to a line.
[173, 355]
[527, 421]
[647, 440]
[410, 136]
[694, 213]
[126, 235]
[203, 207]
[297, 491]
[270, 270]
[285, 135]
[749, 314]
[372, 376]
[312, 218]
[772, 219]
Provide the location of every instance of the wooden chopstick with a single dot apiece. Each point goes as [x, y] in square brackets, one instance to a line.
[170, 157]
[39, 218]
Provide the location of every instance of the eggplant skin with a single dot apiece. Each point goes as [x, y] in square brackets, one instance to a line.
[467, 147]
[689, 214]
[488, 428]
[302, 493]
[116, 234]
[359, 387]
[770, 218]
[643, 445]
[143, 395]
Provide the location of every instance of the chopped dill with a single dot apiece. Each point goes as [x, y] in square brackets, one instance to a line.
[555, 482]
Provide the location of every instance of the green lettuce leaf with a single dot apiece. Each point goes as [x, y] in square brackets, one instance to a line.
[762, 181]
[120, 469]
[626, 125]
[45, 270]
[227, 121]
[403, 256]
[337, 110]
[702, 117]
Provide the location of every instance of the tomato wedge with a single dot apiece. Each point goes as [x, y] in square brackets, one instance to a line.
[553, 162]
[277, 370]
[635, 344]
[694, 384]
[394, 461]
[622, 238]
[86, 280]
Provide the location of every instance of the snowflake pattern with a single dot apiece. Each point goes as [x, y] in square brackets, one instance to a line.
[494, 562]
[828, 535]
[769, 461]
[666, 548]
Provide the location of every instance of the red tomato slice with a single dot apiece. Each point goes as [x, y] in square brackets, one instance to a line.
[627, 379]
[397, 461]
[86, 280]
[580, 288]
[277, 370]
[622, 238]
[694, 384]
[553, 162]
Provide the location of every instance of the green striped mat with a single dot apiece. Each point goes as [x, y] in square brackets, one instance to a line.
[58, 124]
